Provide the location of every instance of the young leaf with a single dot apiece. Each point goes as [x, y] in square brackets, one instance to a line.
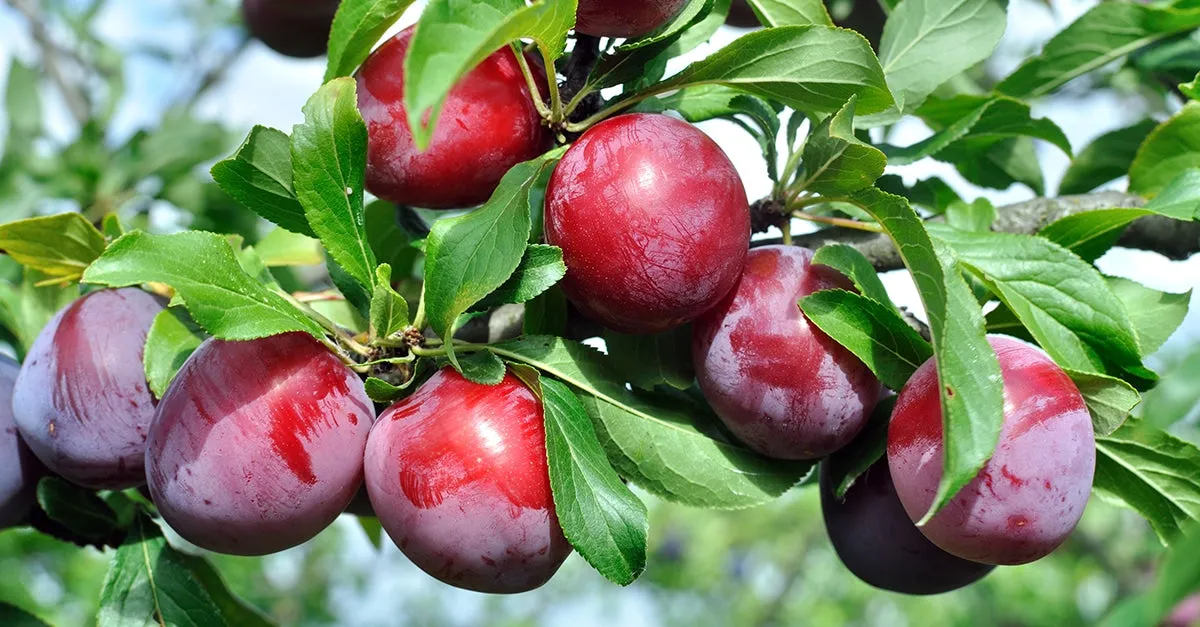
[1156, 474]
[540, 268]
[1191, 89]
[835, 161]
[927, 42]
[795, 65]
[61, 246]
[790, 12]
[971, 385]
[868, 447]
[259, 175]
[976, 217]
[650, 360]
[600, 516]
[482, 367]
[329, 156]
[221, 297]
[454, 36]
[665, 446]
[1063, 301]
[1155, 315]
[847, 260]
[1109, 400]
[26, 308]
[76, 508]
[874, 332]
[172, 338]
[468, 257]
[1109, 31]
[357, 26]
[389, 310]
[281, 248]
[1108, 157]
[1169, 150]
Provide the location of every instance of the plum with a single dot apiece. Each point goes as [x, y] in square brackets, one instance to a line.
[652, 219]
[457, 473]
[19, 468]
[295, 28]
[488, 124]
[1028, 498]
[777, 381]
[741, 15]
[879, 544]
[624, 18]
[81, 401]
[257, 446]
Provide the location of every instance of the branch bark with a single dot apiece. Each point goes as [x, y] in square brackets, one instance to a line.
[1171, 238]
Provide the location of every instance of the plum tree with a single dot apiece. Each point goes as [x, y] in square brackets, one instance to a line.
[19, 469]
[652, 219]
[81, 401]
[624, 18]
[296, 28]
[457, 473]
[874, 538]
[257, 446]
[778, 382]
[1028, 498]
[488, 124]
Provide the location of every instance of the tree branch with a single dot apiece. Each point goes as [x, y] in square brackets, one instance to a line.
[1171, 238]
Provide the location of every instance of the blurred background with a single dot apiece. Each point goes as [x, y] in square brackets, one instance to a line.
[122, 105]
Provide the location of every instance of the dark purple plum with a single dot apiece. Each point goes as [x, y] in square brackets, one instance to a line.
[1028, 498]
[457, 473]
[257, 446]
[19, 468]
[81, 401]
[294, 28]
[875, 539]
[624, 18]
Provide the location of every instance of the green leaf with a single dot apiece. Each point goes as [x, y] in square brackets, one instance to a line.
[1109, 31]
[1109, 400]
[391, 243]
[814, 69]
[1152, 472]
[26, 308]
[1155, 315]
[1063, 301]
[932, 193]
[927, 42]
[1108, 157]
[470, 256]
[60, 246]
[546, 314]
[373, 528]
[381, 391]
[340, 311]
[847, 260]
[670, 448]
[1091, 233]
[1191, 89]
[111, 226]
[540, 269]
[482, 367]
[172, 338]
[1175, 397]
[998, 166]
[976, 217]
[76, 508]
[791, 12]
[874, 332]
[221, 297]
[282, 248]
[149, 583]
[835, 161]
[355, 293]
[971, 385]
[1180, 199]
[650, 360]
[259, 176]
[13, 616]
[869, 446]
[605, 522]
[329, 155]
[631, 61]
[389, 310]
[1170, 149]
[969, 125]
[357, 26]
[23, 106]
[454, 36]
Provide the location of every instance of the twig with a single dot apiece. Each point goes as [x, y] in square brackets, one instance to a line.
[77, 100]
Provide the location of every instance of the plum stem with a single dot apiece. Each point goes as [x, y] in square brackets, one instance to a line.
[534, 93]
[842, 222]
[556, 105]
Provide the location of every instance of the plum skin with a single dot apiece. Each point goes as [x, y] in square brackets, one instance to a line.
[19, 468]
[875, 539]
[777, 381]
[652, 219]
[1028, 498]
[488, 124]
[624, 18]
[257, 445]
[457, 473]
[294, 28]
[81, 401]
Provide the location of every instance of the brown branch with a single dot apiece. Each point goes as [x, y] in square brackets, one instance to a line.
[76, 99]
